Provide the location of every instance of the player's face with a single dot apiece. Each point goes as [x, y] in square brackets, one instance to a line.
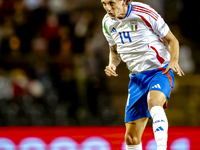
[115, 8]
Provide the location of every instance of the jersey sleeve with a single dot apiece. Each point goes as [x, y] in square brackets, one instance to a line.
[106, 33]
[159, 26]
[152, 19]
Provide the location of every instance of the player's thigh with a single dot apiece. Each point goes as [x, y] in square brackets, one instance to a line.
[134, 131]
[155, 98]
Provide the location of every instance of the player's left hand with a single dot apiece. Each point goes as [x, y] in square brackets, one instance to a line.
[175, 67]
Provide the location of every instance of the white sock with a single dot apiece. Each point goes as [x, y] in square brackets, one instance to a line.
[134, 147]
[160, 127]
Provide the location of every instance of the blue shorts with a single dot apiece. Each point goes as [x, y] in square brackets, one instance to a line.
[139, 87]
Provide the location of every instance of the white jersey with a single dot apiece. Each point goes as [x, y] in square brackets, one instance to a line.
[138, 37]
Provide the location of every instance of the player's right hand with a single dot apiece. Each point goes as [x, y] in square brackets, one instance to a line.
[111, 71]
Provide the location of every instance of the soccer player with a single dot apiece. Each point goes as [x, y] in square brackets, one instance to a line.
[136, 34]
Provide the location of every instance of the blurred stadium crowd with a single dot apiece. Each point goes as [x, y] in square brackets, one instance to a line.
[51, 66]
[52, 59]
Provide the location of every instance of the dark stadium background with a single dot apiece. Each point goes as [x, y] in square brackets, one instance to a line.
[52, 60]
[54, 94]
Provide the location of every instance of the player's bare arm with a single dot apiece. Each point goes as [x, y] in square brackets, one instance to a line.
[114, 61]
[174, 52]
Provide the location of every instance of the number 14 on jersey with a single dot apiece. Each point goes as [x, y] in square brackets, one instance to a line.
[125, 35]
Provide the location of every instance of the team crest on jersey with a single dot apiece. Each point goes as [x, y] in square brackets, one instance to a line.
[134, 24]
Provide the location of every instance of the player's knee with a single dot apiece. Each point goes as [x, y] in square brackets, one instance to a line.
[132, 140]
[151, 103]
[155, 98]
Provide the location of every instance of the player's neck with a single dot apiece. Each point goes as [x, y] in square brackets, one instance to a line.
[124, 12]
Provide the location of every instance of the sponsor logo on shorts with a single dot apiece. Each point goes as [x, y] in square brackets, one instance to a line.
[157, 86]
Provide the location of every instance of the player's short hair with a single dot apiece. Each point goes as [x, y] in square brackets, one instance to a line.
[128, 2]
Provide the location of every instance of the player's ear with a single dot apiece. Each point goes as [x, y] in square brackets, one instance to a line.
[127, 2]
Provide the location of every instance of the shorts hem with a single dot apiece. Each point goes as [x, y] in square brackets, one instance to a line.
[137, 119]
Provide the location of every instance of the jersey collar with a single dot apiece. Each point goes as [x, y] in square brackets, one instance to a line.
[129, 11]
[130, 7]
